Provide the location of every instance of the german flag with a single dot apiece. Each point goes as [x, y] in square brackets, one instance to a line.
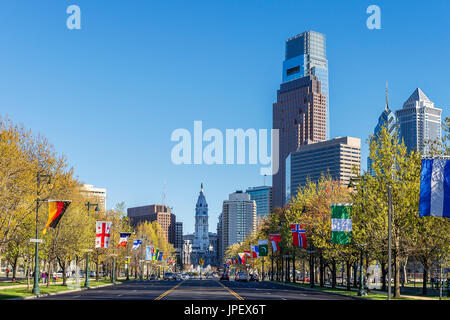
[56, 210]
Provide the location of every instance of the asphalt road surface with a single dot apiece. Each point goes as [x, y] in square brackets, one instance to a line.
[197, 290]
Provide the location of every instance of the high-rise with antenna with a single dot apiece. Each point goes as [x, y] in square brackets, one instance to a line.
[387, 118]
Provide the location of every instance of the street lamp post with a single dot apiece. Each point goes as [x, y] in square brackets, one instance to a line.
[262, 261]
[36, 248]
[389, 241]
[86, 281]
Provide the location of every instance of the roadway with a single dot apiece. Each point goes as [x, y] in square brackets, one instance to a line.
[210, 289]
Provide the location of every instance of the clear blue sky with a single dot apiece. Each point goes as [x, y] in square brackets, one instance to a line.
[108, 96]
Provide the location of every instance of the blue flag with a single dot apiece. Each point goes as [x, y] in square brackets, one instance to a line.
[136, 244]
[435, 188]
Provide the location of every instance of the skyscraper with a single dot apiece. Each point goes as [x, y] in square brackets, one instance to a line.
[263, 198]
[419, 121]
[155, 212]
[388, 119]
[299, 114]
[238, 220]
[306, 55]
[301, 111]
[335, 157]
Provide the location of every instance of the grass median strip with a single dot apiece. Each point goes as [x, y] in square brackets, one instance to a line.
[22, 292]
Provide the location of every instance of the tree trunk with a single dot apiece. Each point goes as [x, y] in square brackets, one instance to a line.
[333, 273]
[355, 276]
[311, 271]
[49, 276]
[293, 268]
[321, 270]
[97, 262]
[425, 279]
[28, 276]
[349, 274]
[405, 276]
[64, 275]
[14, 269]
[397, 271]
[383, 275]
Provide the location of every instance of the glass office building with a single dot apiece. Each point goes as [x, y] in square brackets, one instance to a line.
[263, 198]
[306, 55]
[419, 121]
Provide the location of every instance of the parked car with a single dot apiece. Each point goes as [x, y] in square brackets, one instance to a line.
[241, 276]
[92, 274]
[153, 277]
[254, 277]
[169, 276]
[224, 277]
[185, 276]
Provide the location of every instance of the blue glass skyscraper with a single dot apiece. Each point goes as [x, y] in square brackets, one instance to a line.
[388, 119]
[306, 55]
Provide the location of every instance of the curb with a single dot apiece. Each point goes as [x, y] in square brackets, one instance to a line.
[338, 294]
[63, 292]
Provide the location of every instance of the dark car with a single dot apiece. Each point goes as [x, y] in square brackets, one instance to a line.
[254, 277]
[241, 276]
[169, 276]
[224, 277]
[153, 277]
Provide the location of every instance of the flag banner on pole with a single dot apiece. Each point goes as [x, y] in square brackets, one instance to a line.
[103, 234]
[341, 223]
[148, 253]
[275, 239]
[160, 256]
[56, 210]
[136, 244]
[298, 235]
[123, 241]
[255, 251]
[435, 188]
[155, 255]
[263, 248]
[241, 257]
[248, 253]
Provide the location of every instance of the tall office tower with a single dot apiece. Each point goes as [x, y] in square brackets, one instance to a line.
[238, 219]
[219, 242]
[299, 114]
[306, 55]
[178, 235]
[155, 212]
[337, 157]
[201, 240]
[419, 121]
[263, 198]
[388, 119]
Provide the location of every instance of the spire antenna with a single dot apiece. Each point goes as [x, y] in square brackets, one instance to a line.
[387, 96]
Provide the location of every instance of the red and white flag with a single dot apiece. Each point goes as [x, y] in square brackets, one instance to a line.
[103, 234]
[275, 239]
[255, 251]
[298, 235]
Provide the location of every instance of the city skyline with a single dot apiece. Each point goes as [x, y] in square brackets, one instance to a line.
[119, 134]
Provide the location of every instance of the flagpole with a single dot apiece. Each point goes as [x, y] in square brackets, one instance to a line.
[86, 281]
